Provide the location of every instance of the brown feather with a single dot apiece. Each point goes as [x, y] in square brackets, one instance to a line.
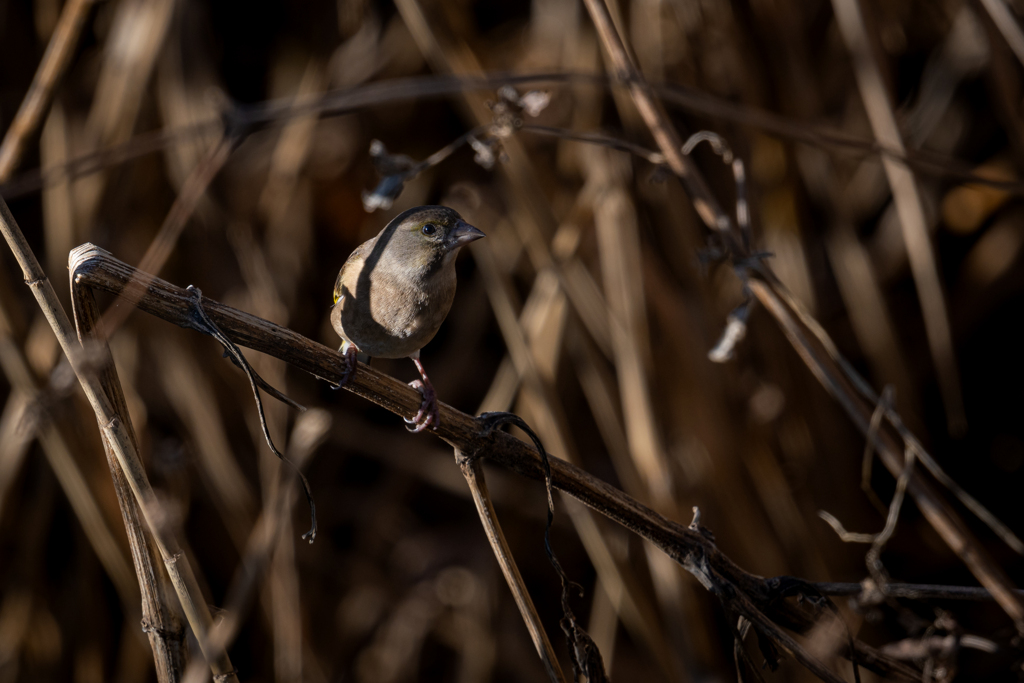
[395, 290]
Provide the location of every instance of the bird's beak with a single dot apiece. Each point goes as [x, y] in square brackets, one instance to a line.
[464, 233]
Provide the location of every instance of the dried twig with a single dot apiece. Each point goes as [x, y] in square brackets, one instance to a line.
[251, 118]
[55, 60]
[584, 653]
[910, 591]
[472, 470]
[1008, 26]
[907, 198]
[33, 106]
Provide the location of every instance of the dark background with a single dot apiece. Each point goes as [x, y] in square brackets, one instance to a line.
[401, 584]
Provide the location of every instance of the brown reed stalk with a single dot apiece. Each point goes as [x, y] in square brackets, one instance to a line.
[115, 427]
[33, 106]
[906, 196]
[472, 470]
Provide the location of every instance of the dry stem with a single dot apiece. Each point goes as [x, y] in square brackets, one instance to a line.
[55, 60]
[473, 472]
[116, 435]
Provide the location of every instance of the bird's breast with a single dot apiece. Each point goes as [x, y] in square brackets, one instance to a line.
[395, 317]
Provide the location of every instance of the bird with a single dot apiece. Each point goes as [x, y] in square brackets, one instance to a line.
[394, 291]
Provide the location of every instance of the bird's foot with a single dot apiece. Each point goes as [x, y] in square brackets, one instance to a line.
[429, 414]
[349, 369]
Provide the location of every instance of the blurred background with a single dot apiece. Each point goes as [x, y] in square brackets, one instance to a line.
[401, 584]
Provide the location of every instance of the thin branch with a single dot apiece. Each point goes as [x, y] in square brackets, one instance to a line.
[584, 654]
[612, 142]
[942, 517]
[397, 170]
[911, 591]
[33, 106]
[884, 402]
[93, 162]
[906, 196]
[55, 61]
[657, 121]
[249, 119]
[859, 386]
[1004, 20]
[879, 540]
[736, 600]
[473, 472]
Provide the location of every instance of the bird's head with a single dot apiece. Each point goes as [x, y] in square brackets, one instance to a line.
[429, 236]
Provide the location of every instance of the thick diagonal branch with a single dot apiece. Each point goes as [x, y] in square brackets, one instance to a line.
[92, 267]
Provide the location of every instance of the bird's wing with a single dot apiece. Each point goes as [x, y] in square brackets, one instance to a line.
[353, 265]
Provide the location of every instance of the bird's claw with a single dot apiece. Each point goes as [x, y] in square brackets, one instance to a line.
[349, 369]
[429, 414]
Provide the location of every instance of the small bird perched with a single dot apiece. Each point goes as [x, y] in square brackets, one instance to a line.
[394, 291]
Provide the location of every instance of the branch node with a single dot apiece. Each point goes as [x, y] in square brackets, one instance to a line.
[176, 634]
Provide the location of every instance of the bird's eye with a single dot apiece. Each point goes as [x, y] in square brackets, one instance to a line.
[429, 229]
